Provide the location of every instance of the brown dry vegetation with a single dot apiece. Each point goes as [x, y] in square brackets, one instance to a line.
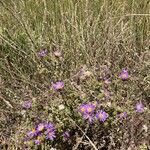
[96, 35]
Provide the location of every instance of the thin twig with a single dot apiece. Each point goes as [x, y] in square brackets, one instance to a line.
[84, 134]
[6, 102]
[80, 140]
[137, 15]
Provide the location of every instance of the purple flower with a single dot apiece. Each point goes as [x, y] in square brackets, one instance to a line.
[26, 104]
[58, 85]
[49, 127]
[88, 117]
[101, 115]
[50, 131]
[82, 109]
[66, 134]
[139, 107]
[90, 108]
[43, 53]
[124, 75]
[32, 133]
[87, 108]
[40, 127]
[50, 135]
[123, 115]
[38, 140]
[87, 111]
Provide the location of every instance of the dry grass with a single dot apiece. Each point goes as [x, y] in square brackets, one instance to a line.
[105, 33]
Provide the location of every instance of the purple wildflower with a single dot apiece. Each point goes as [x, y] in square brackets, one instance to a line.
[51, 135]
[32, 133]
[43, 53]
[50, 131]
[66, 134]
[90, 108]
[40, 127]
[26, 104]
[88, 117]
[58, 85]
[82, 109]
[49, 127]
[87, 111]
[87, 108]
[124, 75]
[101, 115]
[38, 140]
[139, 107]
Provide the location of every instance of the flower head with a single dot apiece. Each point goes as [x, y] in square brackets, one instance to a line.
[58, 85]
[90, 108]
[88, 117]
[40, 127]
[26, 104]
[101, 115]
[87, 108]
[87, 111]
[124, 75]
[38, 140]
[50, 135]
[50, 131]
[43, 53]
[82, 109]
[32, 133]
[49, 127]
[139, 107]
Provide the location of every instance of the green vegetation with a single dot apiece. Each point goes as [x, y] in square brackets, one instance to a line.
[96, 39]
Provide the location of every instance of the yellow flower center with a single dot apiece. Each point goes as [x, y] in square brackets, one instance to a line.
[41, 128]
[82, 109]
[33, 130]
[89, 109]
[100, 115]
[124, 75]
